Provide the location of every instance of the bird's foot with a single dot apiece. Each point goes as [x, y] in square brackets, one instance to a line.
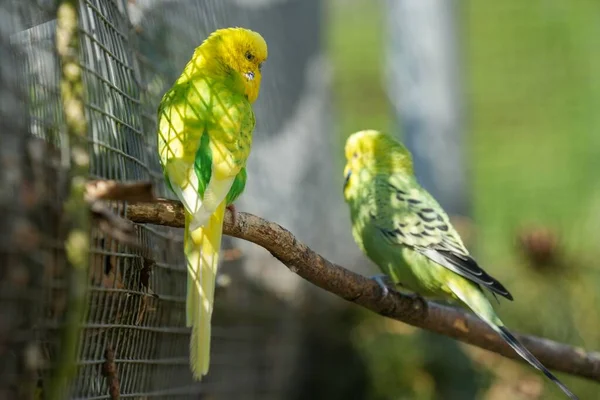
[232, 210]
[419, 302]
[383, 282]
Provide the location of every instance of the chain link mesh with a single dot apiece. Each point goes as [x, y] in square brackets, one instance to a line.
[136, 313]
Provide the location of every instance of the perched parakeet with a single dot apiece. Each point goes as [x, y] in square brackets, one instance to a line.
[205, 124]
[401, 228]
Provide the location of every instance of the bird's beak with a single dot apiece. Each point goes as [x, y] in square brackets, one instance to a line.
[249, 75]
[347, 177]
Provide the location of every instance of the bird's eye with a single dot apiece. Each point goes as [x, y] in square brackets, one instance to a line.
[249, 56]
[355, 155]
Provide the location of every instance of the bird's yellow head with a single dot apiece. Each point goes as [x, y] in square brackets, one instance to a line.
[373, 152]
[239, 51]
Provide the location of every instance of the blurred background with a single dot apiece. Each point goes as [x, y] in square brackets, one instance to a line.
[497, 101]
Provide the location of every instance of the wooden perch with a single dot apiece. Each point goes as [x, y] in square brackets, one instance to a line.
[353, 287]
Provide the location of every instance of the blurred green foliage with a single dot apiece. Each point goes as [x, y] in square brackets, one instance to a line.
[533, 93]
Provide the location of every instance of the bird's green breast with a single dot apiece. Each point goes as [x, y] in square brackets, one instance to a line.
[206, 125]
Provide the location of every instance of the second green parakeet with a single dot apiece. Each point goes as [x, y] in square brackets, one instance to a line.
[401, 228]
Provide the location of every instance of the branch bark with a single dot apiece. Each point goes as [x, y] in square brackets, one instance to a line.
[353, 287]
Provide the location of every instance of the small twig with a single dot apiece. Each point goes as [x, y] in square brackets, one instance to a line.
[109, 371]
[353, 287]
[145, 273]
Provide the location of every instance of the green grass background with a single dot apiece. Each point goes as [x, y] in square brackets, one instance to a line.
[532, 86]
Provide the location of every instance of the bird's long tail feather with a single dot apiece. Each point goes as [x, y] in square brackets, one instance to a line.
[202, 253]
[530, 358]
[483, 309]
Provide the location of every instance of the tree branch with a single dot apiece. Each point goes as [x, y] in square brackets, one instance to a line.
[353, 287]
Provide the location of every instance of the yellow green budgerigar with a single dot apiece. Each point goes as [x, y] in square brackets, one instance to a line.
[401, 228]
[205, 124]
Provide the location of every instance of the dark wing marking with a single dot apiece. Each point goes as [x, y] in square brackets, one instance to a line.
[467, 267]
[417, 224]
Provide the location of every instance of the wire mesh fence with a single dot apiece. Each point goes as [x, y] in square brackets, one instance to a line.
[135, 321]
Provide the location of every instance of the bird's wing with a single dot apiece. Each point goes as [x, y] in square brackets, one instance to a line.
[417, 221]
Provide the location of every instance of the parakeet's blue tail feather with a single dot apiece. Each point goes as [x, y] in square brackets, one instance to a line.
[530, 358]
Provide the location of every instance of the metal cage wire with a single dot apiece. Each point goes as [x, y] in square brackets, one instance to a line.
[136, 312]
